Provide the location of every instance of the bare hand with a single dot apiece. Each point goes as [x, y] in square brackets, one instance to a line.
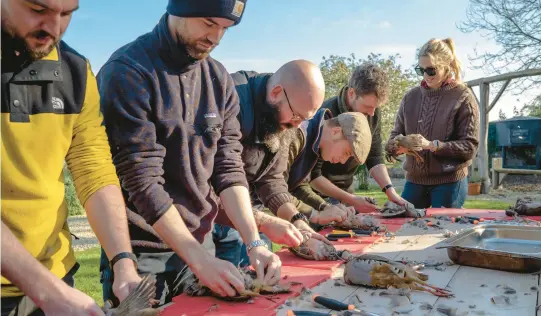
[263, 260]
[126, 278]
[329, 214]
[218, 275]
[301, 225]
[71, 302]
[362, 204]
[394, 197]
[279, 230]
[317, 248]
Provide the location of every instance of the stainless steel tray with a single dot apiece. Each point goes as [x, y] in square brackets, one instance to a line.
[501, 247]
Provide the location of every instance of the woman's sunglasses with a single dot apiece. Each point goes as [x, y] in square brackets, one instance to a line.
[431, 71]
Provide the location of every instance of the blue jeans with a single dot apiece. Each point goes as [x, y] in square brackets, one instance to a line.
[230, 247]
[448, 195]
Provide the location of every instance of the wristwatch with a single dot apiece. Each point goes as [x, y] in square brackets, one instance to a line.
[322, 206]
[436, 144]
[123, 255]
[256, 243]
[387, 187]
[299, 216]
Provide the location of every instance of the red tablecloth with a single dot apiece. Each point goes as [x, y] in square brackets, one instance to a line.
[310, 273]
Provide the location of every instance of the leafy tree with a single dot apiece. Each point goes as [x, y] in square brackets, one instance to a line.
[502, 115]
[336, 71]
[533, 108]
[513, 24]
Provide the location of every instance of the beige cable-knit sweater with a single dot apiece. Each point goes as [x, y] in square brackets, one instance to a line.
[451, 116]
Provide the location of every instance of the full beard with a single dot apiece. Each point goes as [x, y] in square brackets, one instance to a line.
[22, 43]
[274, 138]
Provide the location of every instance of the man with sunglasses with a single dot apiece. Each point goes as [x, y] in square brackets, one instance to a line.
[365, 92]
[272, 105]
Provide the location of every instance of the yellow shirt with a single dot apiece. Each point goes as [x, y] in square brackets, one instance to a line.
[43, 125]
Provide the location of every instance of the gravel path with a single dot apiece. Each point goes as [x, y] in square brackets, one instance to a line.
[79, 227]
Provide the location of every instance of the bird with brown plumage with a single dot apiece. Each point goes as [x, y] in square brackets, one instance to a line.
[379, 272]
[412, 144]
[138, 303]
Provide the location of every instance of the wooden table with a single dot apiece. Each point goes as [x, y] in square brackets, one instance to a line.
[472, 287]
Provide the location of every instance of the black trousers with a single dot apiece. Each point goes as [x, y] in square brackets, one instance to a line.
[24, 306]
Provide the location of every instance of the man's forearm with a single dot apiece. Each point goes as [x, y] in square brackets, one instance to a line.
[328, 188]
[172, 229]
[381, 175]
[287, 211]
[27, 273]
[237, 206]
[106, 214]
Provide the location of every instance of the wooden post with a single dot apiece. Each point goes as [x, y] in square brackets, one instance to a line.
[483, 137]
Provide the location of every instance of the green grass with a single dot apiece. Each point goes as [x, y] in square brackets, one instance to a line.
[381, 198]
[87, 279]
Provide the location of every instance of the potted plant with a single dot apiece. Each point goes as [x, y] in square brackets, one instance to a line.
[474, 185]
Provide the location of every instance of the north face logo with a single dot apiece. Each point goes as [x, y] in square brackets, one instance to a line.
[58, 104]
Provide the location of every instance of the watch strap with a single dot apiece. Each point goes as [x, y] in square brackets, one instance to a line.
[299, 216]
[387, 187]
[256, 243]
[123, 255]
[322, 206]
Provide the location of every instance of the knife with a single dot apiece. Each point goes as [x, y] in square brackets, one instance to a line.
[332, 303]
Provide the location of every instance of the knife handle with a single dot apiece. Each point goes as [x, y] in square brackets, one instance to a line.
[338, 236]
[332, 303]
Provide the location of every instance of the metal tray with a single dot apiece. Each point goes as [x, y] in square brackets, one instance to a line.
[501, 247]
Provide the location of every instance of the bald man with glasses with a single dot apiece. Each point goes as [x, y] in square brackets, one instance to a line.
[272, 106]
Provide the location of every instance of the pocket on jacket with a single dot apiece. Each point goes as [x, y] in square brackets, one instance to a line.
[443, 165]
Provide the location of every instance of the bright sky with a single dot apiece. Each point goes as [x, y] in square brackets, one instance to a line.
[274, 32]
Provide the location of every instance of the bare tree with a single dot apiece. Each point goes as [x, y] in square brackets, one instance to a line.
[516, 26]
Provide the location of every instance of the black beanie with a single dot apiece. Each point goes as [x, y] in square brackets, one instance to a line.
[229, 9]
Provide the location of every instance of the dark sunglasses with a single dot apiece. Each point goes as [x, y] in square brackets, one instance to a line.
[431, 71]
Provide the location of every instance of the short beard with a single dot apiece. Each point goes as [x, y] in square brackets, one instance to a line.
[20, 44]
[191, 48]
[274, 138]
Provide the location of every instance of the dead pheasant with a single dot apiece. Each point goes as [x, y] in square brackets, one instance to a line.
[357, 221]
[379, 272]
[313, 249]
[391, 209]
[252, 287]
[138, 303]
[412, 144]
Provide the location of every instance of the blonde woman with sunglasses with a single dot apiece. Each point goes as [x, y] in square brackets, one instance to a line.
[444, 112]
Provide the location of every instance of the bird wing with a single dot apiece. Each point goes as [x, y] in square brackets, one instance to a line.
[140, 298]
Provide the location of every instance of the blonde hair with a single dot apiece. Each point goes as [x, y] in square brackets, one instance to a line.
[442, 54]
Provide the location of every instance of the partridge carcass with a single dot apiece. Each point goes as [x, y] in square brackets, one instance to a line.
[412, 143]
[379, 272]
[358, 221]
[526, 206]
[252, 287]
[138, 303]
[313, 249]
[391, 209]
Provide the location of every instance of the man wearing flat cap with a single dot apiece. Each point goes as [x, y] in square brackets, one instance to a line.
[171, 116]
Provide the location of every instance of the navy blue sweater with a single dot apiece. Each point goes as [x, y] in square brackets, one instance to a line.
[173, 129]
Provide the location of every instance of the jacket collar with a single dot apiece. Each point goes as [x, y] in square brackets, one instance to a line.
[258, 85]
[15, 59]
[342, 100]
[174, 54]
[313, 129]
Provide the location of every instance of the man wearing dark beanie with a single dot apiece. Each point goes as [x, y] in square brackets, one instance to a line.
[170, 112]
